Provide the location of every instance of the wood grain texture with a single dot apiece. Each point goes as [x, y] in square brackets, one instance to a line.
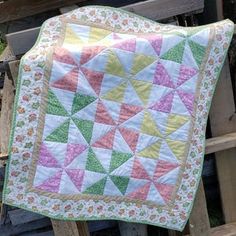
[220, 143]
[20, 216]
[199, 224]
[161, 9]
[7, 108]
[224, 230]
[223, 121]
[69, 228]
[22, 41]
[132, 229]
[16, 9]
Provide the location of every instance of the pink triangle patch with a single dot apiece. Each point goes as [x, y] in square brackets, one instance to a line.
[46, 159]
[106, 141]
[73, 150]
[185, 73]
[90, 52]
[127, 45]
[138, 171]
[77, 176]
[187, 99]
[52, 184]
[162, 168]
[156, 42]
[127, 111]
[102, 116]
[63, 55]
[67, 82]
[161, 77]
[116, 37]
[131, 137]
[165, 191]
[94, 78]
[165, 103]
[140, 193]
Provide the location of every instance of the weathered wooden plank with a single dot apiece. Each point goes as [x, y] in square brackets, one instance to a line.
[224, 230]
[69, 228]
[132, 229]
[20, 216]
[9, 229]
[6, 111]
[22, 41]
[162, 9]
[219, 9]
[223, 121]
[220, 143]
[199, 220]
[16, 9]
[48, 233]
[66, 9]
[101, 224]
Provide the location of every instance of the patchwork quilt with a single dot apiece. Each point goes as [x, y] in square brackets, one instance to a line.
[110, 117]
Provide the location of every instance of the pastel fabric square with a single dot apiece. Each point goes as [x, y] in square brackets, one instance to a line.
[110, 117]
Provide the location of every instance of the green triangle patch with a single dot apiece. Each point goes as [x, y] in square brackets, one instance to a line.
[175, 53]
[97, 188]
[121, 182]
[117, 159]
[60, 134]
[116, 94]
[93, 164]
[85, 127]
[198, 51]
[81, 101]
[54, 107]
[141, 61]
[114, 67]
[194, 30]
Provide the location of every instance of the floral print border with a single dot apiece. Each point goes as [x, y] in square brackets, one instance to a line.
[26, 112]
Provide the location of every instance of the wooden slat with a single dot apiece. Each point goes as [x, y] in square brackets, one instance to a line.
[16, 9]
[132, 229]
[66, 9]
[162, 9]
[223, 121]
[224, 230]
[6, 111]
[199, 220]
[220, 143]
[9, 230]
[20, 216]
[22, 41]
[69, 228]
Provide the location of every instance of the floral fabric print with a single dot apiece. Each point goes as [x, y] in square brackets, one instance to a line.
[110, 117]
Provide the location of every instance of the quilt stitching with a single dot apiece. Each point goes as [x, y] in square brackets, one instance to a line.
[34, 76]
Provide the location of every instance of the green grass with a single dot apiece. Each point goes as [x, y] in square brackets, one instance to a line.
[2, 43]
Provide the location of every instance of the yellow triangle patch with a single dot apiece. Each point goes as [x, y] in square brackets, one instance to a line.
[177, 147]
[72, 38]
[149, 126]
[151, 151]
[174, 122]
[117, 93]
[97, 34]
[143, 89]
[141, 61]
[114, 66]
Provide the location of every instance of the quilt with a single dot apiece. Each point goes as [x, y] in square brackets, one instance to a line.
[110, 116]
